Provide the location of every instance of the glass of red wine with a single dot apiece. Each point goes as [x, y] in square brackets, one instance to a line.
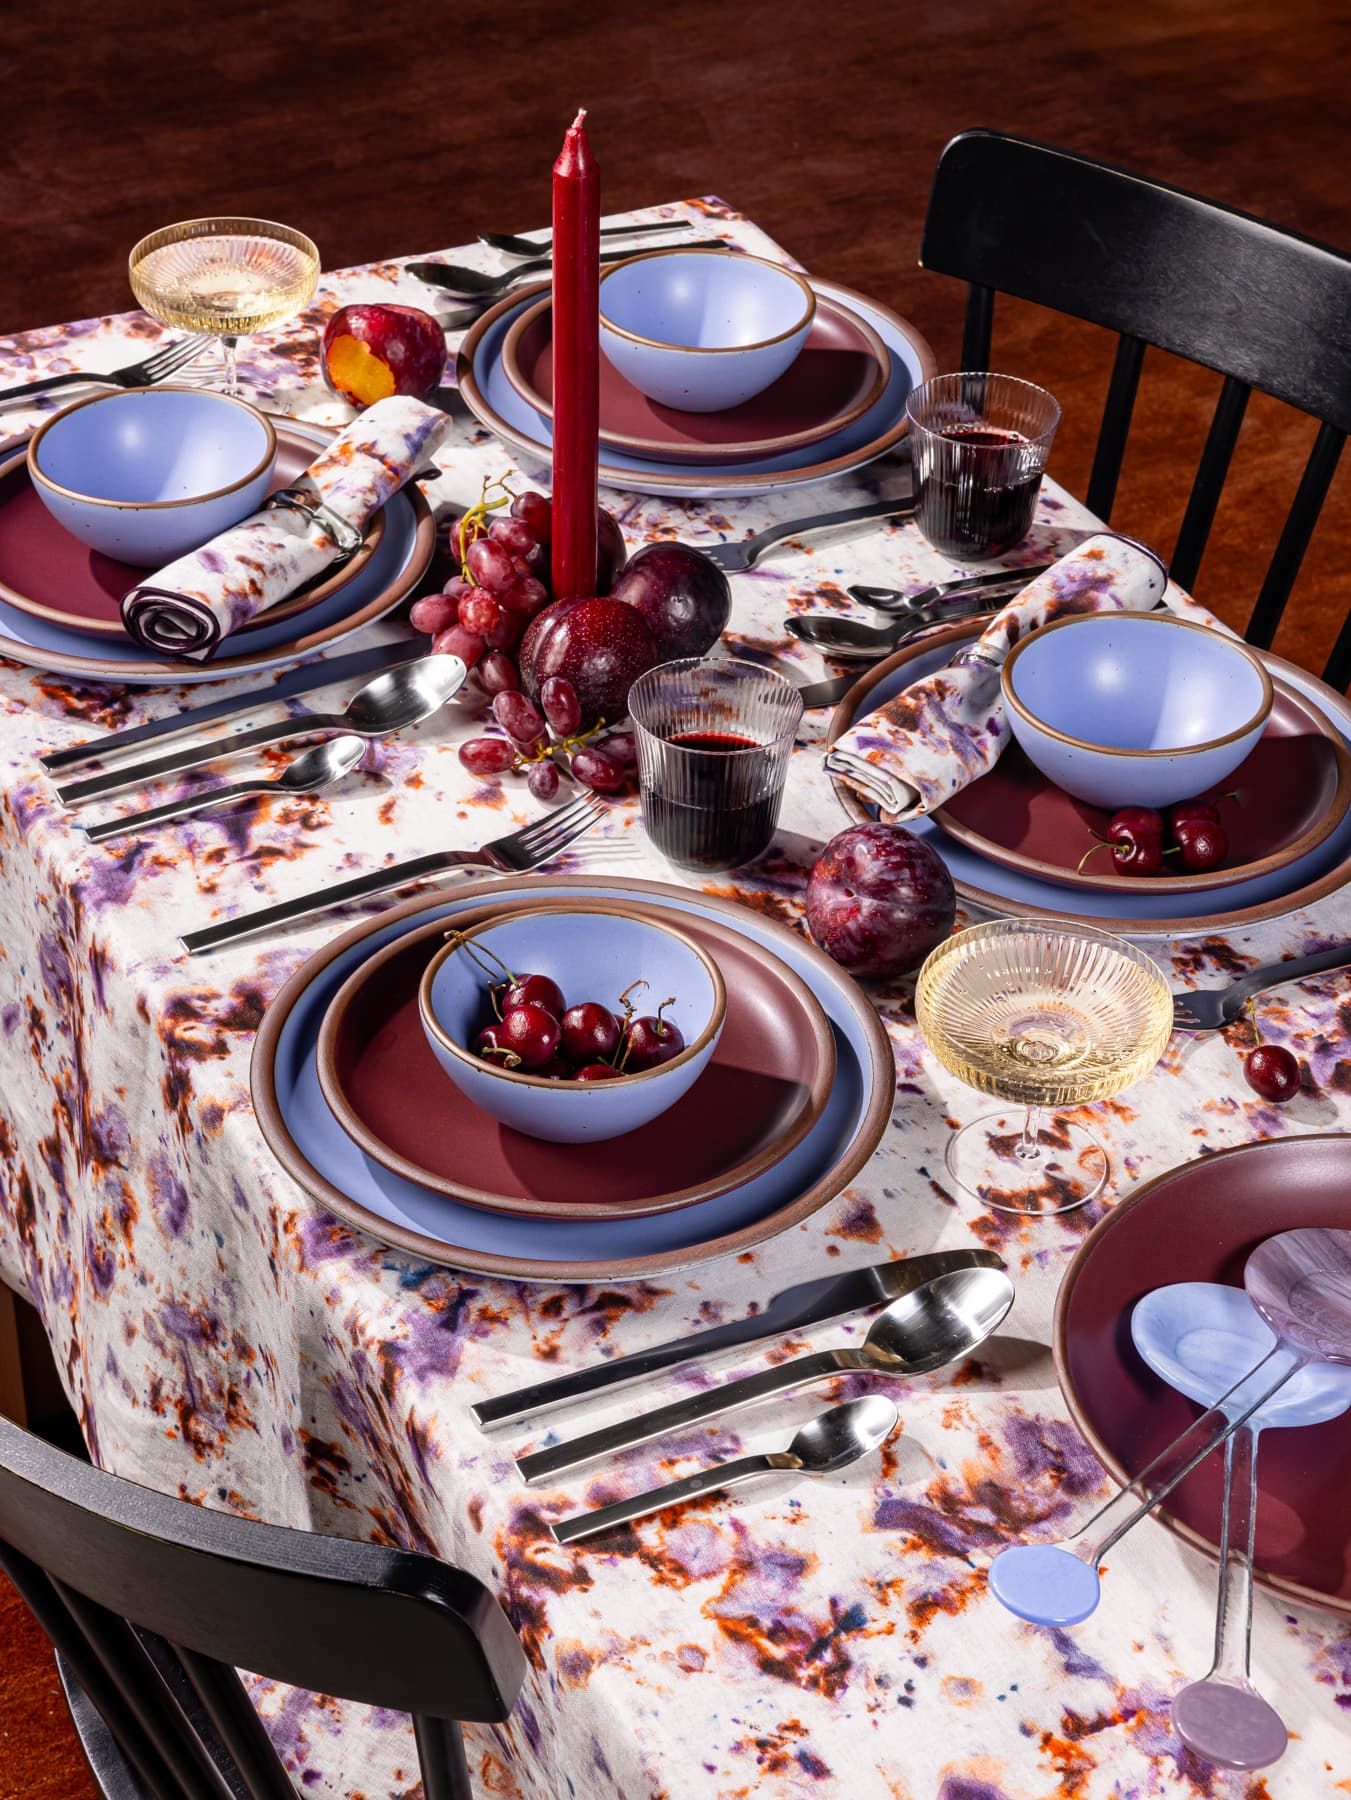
[979, 443]
[713, 740]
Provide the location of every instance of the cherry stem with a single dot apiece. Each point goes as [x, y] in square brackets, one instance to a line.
[670, 1000]
[509, 1057]
[1256, 1030]
[476, 954]
[624, 1000]
[1101, 844]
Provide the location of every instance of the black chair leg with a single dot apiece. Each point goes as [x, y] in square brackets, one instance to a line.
[440, 1749]
[1337, 674]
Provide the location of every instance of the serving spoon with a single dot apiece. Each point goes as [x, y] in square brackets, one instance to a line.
[401, 697]
[1300, 1282]
[325, 763]
[932, 1325]
[830, 1441]
[1193, 1335]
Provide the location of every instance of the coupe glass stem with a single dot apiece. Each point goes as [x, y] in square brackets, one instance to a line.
[228, 344]
[1238, 1520]
[1029, 1145]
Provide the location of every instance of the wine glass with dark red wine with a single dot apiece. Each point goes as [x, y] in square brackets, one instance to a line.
[979, 444]
[714, 740]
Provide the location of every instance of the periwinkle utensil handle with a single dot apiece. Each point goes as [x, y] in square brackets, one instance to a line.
[1177, 1460]
[703, 1481]
[134, 774]
[176, 809]
[543, 1465]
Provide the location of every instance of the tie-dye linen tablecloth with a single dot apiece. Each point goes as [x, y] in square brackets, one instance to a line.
[224, 1339]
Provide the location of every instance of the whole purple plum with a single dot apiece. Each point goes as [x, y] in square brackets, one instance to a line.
[879, 899]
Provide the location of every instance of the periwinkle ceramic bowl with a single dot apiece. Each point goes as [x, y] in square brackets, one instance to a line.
[592, 955]
[150, 473]
[1134, 709]
[701, 330]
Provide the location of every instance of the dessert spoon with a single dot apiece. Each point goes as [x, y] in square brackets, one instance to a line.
[830, 1441]
[325, 763]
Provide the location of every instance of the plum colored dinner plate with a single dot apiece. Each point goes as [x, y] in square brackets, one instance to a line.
[766, 1086]
[307, 1140]
[1138, 911]
[1282, 801]
[47, 572]
[396, 566]
[491, 398]
[839, 373]
[1201, 1222]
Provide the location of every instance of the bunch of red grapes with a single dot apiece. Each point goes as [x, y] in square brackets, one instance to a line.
[481, 615]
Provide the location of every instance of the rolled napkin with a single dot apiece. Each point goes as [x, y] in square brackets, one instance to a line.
[946, 730]
[190, 606]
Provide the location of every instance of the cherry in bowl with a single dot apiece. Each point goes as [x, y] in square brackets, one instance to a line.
[593, 953]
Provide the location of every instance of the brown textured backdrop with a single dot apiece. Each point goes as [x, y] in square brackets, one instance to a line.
[404, 126]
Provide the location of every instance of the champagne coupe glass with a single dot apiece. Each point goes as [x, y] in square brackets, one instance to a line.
[228, 277]
[1041, 1014]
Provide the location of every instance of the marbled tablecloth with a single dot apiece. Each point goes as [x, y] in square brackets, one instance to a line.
[225, 1340]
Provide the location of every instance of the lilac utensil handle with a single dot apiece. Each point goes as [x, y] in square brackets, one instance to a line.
[1222, 1717]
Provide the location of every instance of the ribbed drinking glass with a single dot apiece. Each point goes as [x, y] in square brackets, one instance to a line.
[714, 740]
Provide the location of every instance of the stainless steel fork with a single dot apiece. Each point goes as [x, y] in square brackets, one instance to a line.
[1211, 1009]
[516, 854]
[156, 368]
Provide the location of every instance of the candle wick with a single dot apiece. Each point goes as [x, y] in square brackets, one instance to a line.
[580, 119]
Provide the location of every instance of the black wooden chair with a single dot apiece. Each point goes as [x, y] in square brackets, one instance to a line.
[1156, 265]
[153, 1603]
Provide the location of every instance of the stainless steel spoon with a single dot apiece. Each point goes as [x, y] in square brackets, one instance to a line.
[478, 284]
[401, 697]
[317, 768]
[852, 641]
[524, 246]
[920, 1332]
[893, 600]
[826, 1443]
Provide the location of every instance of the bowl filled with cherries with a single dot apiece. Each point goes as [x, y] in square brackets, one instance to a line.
[573, 1023]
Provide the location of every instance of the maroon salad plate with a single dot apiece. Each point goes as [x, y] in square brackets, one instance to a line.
[767, 1084]
[48, 572]
[1201, 1222]
[1282, 801]
[839, 373]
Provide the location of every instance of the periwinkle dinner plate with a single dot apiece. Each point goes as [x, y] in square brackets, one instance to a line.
[310, 1144]
[386, 581]
[1000, 889]
[491, 397]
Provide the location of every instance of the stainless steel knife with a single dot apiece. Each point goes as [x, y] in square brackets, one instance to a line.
[810, 1303]
[307, 678]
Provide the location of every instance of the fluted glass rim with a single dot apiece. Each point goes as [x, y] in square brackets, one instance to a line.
[934, 389]
[647, 683]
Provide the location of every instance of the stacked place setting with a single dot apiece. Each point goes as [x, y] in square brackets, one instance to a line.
[562, 1075]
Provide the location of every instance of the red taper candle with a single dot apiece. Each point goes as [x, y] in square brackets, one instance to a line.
[576, 355]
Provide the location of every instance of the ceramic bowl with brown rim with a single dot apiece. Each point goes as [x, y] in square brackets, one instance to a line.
[601, 954]
[147, 474]
[701, 330]
[1134, 708]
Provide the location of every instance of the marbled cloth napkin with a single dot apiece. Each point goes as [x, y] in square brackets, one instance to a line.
[943, 732]
[190, 606]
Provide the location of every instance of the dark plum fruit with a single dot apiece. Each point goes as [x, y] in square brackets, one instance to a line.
[879, 899]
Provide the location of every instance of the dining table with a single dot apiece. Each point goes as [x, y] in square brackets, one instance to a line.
[225, 1339]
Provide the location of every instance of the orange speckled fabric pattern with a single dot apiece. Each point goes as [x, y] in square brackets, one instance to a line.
[224, 1339]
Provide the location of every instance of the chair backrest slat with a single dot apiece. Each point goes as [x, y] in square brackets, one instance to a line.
[238, 1726]
[1115, 427]
[1294, 538]
[1209, 483]
[1267, 309]
[44, 1602]
[357, 1620]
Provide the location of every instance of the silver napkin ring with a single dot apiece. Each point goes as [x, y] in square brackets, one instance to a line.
[348, 539]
